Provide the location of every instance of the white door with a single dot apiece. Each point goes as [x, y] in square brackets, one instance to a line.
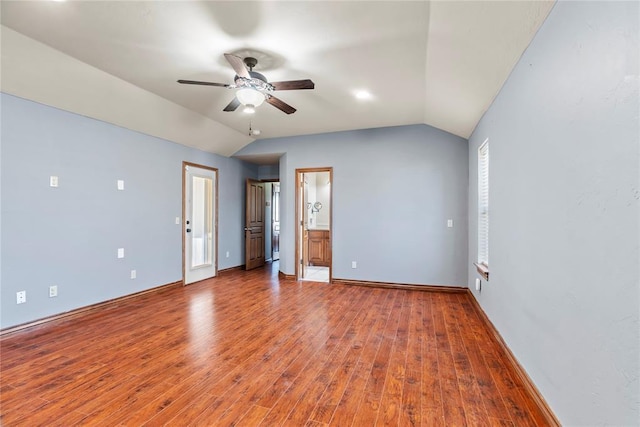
[200, 223]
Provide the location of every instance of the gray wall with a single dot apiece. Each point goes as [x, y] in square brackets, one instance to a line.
[393, 191]
[564, 203]
[68, 236]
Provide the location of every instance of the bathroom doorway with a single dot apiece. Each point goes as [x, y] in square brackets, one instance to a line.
[272, 220]
[313, 224]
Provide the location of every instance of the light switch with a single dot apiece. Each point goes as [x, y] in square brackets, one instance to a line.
[120, 252]
[450, 223]
[177, 220]
[53, 181]
[120, 184]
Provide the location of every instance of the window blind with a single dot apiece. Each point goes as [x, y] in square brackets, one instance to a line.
[483, 203]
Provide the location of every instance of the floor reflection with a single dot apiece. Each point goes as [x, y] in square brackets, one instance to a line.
[316, 274]
[202, 319]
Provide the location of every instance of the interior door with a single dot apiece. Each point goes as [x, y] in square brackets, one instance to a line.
[200, 222]
[254, 225]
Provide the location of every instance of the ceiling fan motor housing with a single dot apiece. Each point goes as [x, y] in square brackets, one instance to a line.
[250, 62]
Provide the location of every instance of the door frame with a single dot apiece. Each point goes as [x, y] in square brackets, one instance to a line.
[184, 212]
[299, 215]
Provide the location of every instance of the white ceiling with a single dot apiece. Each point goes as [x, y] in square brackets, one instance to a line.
[439, 63]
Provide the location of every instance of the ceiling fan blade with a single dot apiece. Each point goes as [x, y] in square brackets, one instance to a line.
[293, 85]
[238, 65]
[281, 105]
[232, 105]
[194, 82]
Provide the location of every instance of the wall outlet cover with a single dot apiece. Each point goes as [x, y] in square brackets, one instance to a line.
[120, 252]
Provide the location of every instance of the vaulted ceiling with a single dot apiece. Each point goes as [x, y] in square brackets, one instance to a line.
[440, 63]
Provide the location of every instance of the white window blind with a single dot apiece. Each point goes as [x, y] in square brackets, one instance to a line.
[483, 203]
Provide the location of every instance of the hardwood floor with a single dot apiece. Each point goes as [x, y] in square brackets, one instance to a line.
[247, 349]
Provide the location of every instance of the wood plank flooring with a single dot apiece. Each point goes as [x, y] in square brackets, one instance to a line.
[247, 349]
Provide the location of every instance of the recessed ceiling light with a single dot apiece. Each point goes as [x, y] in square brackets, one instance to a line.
[363, 95]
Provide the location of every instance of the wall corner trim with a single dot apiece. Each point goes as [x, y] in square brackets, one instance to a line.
[284, 276]
[529, 386]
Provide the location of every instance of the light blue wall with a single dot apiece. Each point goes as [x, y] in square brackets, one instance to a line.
[269, 172]
[68, 236]
[393, 191]
[564, 212]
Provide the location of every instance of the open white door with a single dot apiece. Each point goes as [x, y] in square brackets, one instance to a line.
[200, 221]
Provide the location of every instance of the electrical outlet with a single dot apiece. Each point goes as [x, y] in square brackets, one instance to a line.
[120, 184]
[120, 252]
[478, 284]
[133, 274]
[53, 181]
[227, 254]
[53, 291]
[354, 264]
[21, 297]
[450, 223]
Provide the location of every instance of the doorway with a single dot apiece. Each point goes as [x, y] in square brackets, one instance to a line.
[273, 243]
[200, 221]
[313, 224]
[262, 223]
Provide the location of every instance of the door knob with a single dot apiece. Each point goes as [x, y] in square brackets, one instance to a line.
[188, 230]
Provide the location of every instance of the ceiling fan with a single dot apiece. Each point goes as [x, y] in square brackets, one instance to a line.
[253, 87]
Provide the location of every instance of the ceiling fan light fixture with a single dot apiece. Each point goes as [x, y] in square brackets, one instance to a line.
[250, 97]
[249, 109]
